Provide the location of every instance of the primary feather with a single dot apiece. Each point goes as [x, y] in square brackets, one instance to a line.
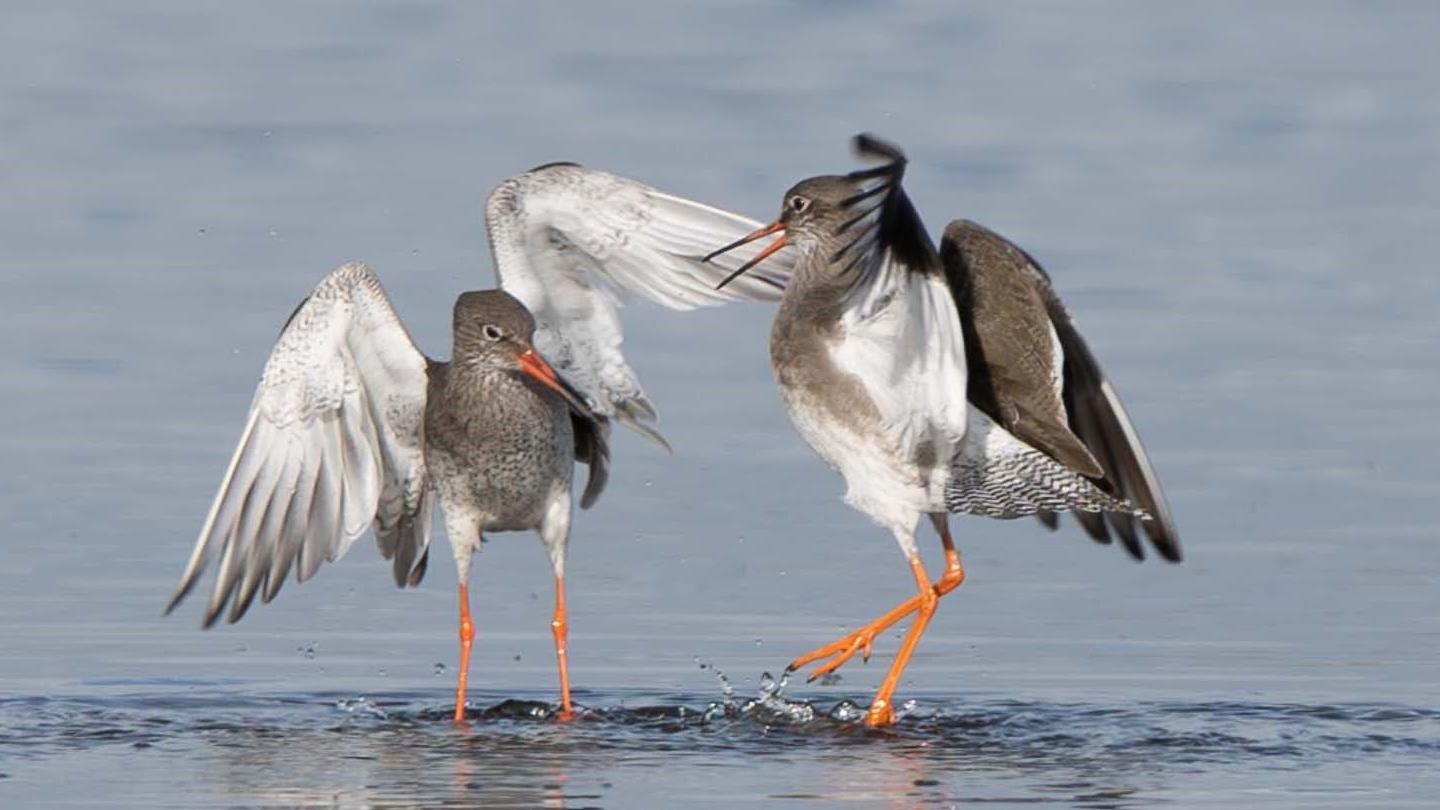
[334, 443]
[572, 243]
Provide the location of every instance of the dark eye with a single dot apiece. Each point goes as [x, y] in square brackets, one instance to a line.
[798, 204]
[491, 331]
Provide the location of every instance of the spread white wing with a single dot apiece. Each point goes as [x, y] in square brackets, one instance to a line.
[333, 443]
[902, 333]
[572, 242]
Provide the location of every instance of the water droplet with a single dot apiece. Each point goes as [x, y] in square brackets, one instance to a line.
[439, 669]
[308, 650]
[907, 708]
[759, 642]
[274, 234]
[846, 711]
[361, 705]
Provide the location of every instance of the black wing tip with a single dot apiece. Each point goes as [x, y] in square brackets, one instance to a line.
[1164, 541]
[554, 164]
[870, 147]
[173, 603]
[418, 572]
[892, 160]
[1161, 535]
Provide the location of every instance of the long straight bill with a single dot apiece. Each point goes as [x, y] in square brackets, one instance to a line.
[535, 366]
[774, 227]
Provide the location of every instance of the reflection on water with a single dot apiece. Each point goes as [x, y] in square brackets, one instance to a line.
[402, 747]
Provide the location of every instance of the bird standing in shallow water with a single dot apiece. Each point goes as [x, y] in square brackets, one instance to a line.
[941, 381]
[352, 427]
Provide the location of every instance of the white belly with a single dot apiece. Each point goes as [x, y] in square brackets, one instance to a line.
[888, 488]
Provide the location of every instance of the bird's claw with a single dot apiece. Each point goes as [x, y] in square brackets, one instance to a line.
[861, 641]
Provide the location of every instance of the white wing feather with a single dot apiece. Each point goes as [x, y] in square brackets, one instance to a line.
[904, 343]
[902, 332]
[333, 444]
[572, 242]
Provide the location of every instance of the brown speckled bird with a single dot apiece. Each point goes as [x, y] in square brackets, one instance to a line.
[352, 427]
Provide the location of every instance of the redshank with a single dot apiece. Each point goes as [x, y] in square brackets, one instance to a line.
[941, 381]
[353, 427]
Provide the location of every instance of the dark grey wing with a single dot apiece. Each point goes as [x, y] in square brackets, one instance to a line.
[333, 445]
[1011, 349]
[592, 439]
[592, 447]
[1032, 371]
[1099, 418]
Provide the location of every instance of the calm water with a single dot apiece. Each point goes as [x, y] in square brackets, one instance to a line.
[1239, 204]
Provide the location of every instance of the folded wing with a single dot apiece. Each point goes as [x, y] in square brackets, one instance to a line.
[333, 444]
[572, 243]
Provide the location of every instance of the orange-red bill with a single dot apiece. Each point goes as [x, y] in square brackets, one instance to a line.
[774, 227]
[534, 365]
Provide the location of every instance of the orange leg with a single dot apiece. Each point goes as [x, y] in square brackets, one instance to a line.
[560, 630]
[467, 635]
[882, 712]
[863, 639]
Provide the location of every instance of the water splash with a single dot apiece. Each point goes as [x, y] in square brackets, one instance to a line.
[362, 706]
[768, 707]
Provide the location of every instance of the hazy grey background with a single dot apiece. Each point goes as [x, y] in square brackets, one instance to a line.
[1238, 201]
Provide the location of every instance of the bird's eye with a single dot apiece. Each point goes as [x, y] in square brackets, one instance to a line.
[798, 204]
[491, 331]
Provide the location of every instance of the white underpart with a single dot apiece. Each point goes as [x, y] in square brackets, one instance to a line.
[902, 339]
[572, 243]
[555, 528]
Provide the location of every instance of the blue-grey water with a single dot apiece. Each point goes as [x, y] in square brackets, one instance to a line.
[1239, 201]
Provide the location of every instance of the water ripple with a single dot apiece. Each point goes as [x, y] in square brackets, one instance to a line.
[1015, 732]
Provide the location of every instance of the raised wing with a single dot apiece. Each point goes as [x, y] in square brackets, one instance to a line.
[572, 242]
[903, 336]
[1013, 351]
[1099, 418]
[332, 445]
[1033, 374]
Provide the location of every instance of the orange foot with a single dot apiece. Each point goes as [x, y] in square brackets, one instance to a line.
[863, 640]
[880, 714]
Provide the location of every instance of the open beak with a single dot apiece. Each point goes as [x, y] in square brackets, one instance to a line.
[534, 365]
[774, 227]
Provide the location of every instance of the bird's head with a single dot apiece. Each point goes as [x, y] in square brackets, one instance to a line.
[818, 212]
[494, 332]
[816, 209]
[813, 212]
